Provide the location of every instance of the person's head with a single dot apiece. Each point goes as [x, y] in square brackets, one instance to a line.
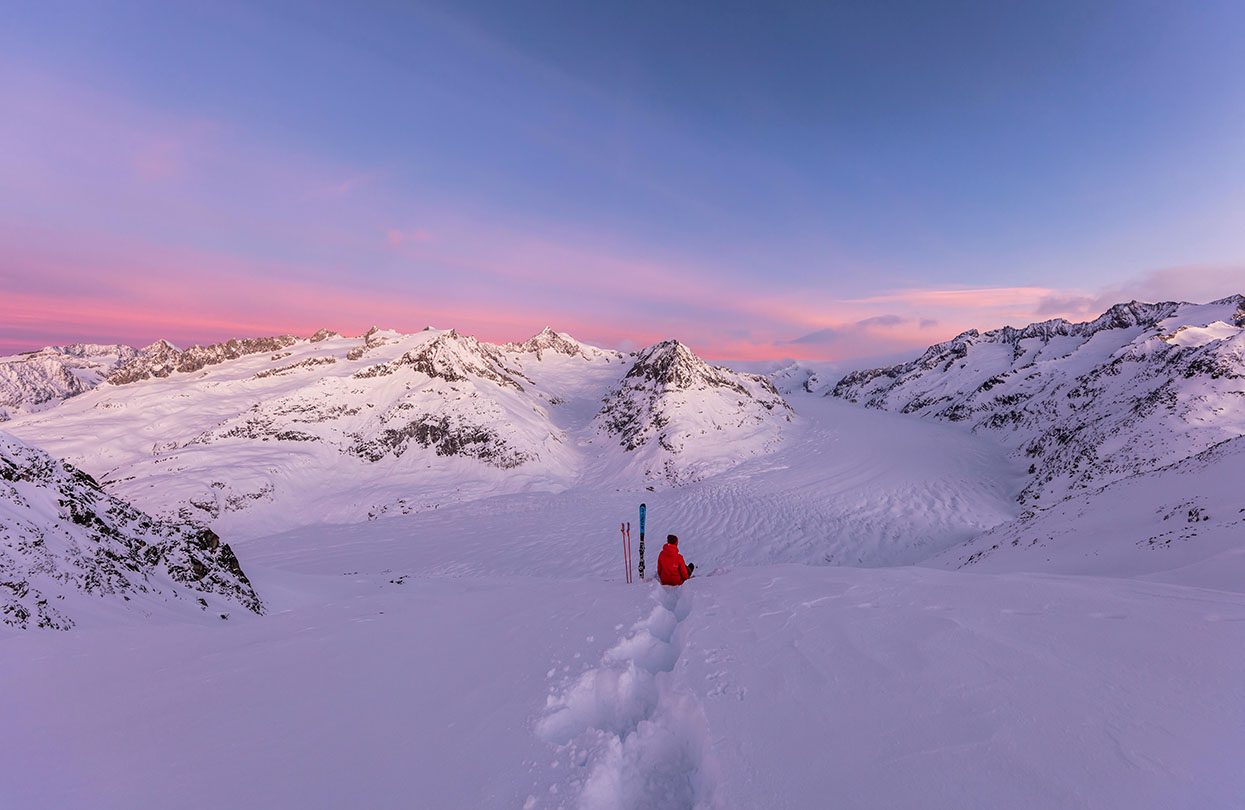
[672, 540]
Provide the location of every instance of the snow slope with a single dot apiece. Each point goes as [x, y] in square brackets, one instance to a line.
[69, 551]
[259, 435]
[1180, 523]
[36, 381]
[769, 686]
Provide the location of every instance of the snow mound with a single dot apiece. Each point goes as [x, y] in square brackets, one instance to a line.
[66, 545]
[1194, 336]
[799, 378]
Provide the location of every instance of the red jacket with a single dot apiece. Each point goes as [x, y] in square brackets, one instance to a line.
[671, 569]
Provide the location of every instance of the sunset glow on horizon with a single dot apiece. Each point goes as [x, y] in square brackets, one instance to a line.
[612, 172]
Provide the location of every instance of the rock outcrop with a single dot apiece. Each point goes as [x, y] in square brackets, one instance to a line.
[66, 546]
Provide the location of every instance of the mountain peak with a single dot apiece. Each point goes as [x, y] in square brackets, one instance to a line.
[451, 357]
[1064, 392]
[550, 340]
[671, 399]
[672, 365]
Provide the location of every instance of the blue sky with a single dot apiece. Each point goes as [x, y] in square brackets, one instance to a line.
[763, 180]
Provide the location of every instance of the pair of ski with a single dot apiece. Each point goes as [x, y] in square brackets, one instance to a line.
[626, 541]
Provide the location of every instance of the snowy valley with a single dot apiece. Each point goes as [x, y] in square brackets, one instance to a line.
[1010, 573]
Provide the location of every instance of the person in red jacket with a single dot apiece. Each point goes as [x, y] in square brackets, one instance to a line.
[671, 569]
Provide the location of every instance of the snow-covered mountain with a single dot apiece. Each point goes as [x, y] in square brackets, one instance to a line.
[630, 695]
[685, 419]
[1083, 404]
[35, 381]
[547, 340]
[797, 378]
[162, 358]
[342, 429]
[67, 547]
[1184, 522]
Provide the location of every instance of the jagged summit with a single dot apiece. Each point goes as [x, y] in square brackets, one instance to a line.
[673, 366]
[162, 358]
[549, 340]
[452, 357]
[1238, 300]
[671, 401]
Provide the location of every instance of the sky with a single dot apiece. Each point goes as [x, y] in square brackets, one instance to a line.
[826, 181]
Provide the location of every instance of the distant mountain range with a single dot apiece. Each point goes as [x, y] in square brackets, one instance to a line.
[1131, 429]
[260, 435]
[1082, 404]
[345, 428]
[36, 381]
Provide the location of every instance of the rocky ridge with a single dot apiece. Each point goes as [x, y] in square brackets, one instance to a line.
[65, 544]
[671, 403]
[35, 381]
[162, 358]
[1083, 404]
[548, 340]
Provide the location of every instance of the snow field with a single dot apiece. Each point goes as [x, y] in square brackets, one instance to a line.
[775, 686]
[833, 687]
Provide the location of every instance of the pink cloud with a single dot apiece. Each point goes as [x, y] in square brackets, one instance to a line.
[136, 224]
[397, 236]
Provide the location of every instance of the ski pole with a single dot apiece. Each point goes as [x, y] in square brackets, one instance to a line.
[628, 530]
[622, 529]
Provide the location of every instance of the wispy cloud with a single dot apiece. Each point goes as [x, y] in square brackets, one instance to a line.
[123, 222]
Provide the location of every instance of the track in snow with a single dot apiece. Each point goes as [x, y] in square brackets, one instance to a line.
[644, 743]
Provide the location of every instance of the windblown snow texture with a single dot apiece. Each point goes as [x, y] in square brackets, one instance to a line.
[66, 547]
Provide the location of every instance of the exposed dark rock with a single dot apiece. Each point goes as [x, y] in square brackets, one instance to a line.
[161, 358]
[96, 544]
[447, 436]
